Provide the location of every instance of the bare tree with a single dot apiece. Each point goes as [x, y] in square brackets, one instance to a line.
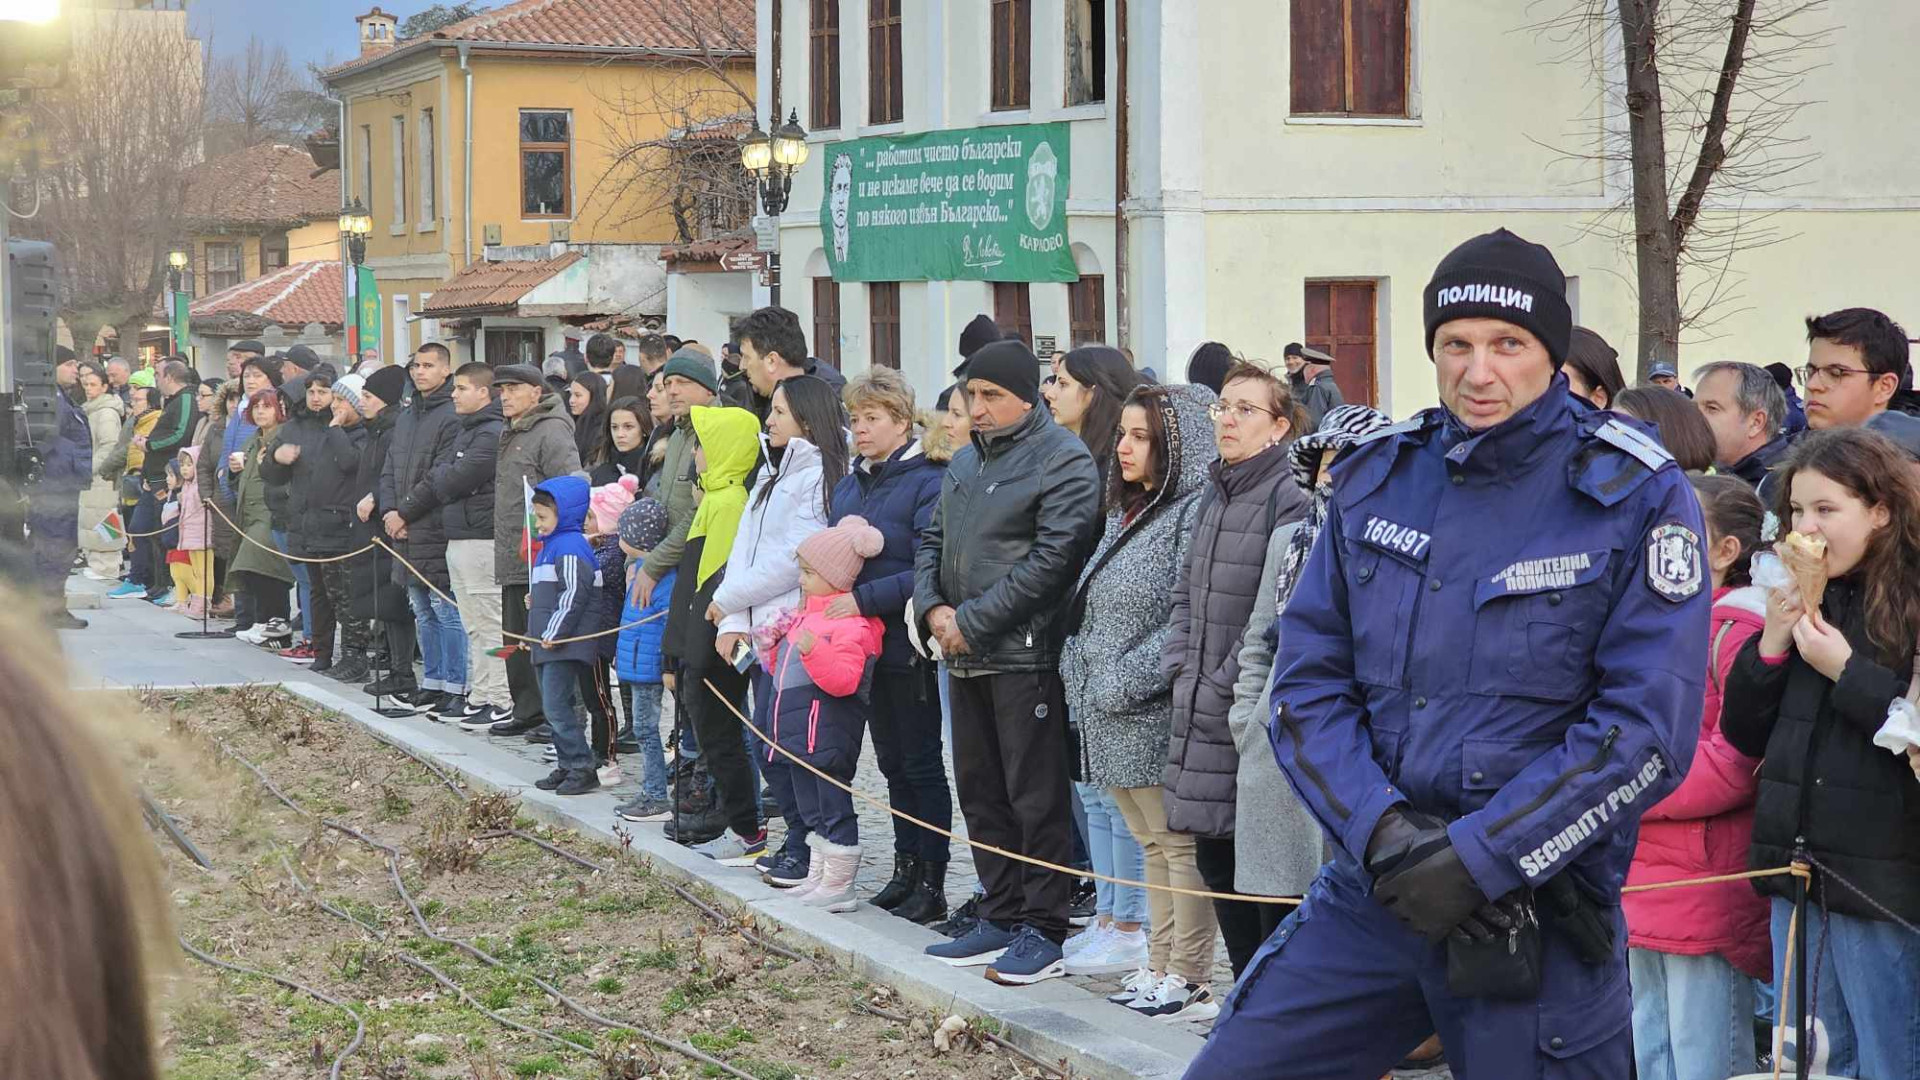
[125, 127]
[1709, 89]
[673, 136]
[259, 96]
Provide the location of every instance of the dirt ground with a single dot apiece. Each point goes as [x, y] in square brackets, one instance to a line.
[621, 944]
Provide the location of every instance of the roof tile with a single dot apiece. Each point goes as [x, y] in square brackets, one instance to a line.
[489, 286]
[305, 292]
[721, 26]
[267, 184]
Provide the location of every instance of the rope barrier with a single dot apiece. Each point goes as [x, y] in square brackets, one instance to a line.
[437, 591]
[242, 533]
[1285, 901]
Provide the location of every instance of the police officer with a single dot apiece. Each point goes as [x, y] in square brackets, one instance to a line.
[1491, 667]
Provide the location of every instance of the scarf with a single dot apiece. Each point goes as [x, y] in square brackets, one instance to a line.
[1300, 545]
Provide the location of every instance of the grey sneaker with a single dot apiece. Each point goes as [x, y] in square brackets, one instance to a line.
[642, 808]
[731, 849]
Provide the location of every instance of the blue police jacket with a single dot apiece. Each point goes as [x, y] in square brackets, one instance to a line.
[1505, 628]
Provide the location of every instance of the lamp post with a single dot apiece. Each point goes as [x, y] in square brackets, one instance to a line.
[355, 224]
[176, 265]
[772, 160]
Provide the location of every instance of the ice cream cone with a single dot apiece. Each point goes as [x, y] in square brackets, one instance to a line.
[1805, 557]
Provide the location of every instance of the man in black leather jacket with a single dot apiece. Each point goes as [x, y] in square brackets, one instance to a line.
[1025, 502]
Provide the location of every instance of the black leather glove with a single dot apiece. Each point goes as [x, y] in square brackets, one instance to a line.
[1494, 919]
[1587, 924]
[1418, 875]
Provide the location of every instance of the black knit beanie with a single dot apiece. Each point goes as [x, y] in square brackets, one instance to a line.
[1008, 363]
[1498, 275]
[1208, 365]
[979, 333]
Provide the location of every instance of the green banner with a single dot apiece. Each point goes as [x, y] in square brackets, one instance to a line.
[977, 204]
[181, 301]
[368, 297]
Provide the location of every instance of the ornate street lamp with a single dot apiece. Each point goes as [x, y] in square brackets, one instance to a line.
[355, 224]
[772, 160]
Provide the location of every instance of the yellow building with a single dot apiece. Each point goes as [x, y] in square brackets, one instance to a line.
[511, 136]
[258, 210]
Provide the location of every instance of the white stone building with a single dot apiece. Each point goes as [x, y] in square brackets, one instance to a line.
[1302, 190]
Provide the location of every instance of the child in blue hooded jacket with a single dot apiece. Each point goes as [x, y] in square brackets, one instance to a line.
[562, 598]
[637, 659]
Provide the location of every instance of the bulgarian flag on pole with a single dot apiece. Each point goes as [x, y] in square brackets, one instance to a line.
[111, 529]
[530, 535]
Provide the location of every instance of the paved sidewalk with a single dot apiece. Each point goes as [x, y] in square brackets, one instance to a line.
[131, 644]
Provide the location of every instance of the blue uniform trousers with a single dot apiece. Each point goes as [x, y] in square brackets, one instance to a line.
[1342, 991]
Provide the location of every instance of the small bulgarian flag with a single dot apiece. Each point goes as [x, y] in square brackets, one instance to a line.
[530, 534]
[505, 652]
[111, 529]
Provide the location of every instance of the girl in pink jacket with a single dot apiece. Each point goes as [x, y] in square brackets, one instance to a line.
[191, 560]
[821, 657]
[1693, 952]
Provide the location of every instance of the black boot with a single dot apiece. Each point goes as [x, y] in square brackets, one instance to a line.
[928, 900]
[906, 874]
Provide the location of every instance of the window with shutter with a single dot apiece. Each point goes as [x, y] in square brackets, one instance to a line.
[1087, 310]
[824, 65]
[883, 306]
[1086, 51]
[826, 320]
[226, 267]
[1013, 309]
[1012, 54]
[1349, 57]
[1341, 322]
[884, 77]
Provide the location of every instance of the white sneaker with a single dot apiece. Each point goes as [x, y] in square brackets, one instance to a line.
[1094, 934]
[609, 774]
[1174, 999]
[1137, 984]
[1119, 950]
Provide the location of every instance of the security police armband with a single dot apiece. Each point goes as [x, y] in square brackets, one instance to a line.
[1674, 565]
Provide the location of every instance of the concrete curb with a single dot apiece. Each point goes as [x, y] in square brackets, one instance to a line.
[1053, 1020]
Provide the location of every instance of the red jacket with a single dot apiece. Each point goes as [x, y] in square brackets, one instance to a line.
[1705, 827]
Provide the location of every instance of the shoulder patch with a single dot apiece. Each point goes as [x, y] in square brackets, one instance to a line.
[1411, 424]
[1673, 562]
[1633, 441]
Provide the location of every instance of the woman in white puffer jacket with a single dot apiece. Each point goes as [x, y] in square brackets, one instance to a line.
[805, 447]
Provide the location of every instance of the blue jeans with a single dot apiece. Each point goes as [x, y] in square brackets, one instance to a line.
[1115, 853]
[443, 641]
[1867, 1016]
[1692, 1016]
[566, 713]
[644, 699]
[303, 585]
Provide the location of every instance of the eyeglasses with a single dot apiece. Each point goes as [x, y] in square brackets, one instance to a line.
[1242, 410]
[1808, 374]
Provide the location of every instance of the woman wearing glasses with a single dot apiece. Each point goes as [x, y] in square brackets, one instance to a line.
[1249, 494]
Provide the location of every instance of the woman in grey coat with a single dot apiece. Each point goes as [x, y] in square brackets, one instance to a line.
[1277, 845]
[1117, 691]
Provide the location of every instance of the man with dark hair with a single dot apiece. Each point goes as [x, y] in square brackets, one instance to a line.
[600, 350]
[1019, 511]
[464, 484]
[653, 353]
[423, 436]
[1857, 365]
[772, 348]
[1311, 377]
[1746, 412]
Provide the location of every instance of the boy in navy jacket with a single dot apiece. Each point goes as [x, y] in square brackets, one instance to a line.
[562, 598]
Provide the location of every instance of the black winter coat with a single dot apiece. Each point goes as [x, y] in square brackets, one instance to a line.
[377, 594]
[463, 480]
[1024, 508]
[1856, 806]
[332, 490]
[307, 430]
[1212, 600]
[898, 497]
[687, 646]
[422, 437]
